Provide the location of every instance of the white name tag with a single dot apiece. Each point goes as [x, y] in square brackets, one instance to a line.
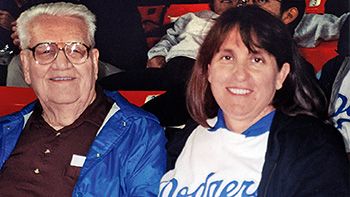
[77, 160]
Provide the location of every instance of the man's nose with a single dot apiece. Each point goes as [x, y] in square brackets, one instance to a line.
[62, 61]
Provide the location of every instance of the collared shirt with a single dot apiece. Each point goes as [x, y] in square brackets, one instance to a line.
[46, 162]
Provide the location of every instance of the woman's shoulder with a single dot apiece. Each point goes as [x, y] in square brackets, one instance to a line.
[305, 128]
[300, 121]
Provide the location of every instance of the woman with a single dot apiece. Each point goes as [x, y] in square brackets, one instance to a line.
[260, 129]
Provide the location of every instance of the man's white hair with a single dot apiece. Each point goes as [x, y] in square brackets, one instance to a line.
[55, 9]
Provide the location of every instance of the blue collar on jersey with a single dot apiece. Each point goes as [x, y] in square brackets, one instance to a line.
[260, 127]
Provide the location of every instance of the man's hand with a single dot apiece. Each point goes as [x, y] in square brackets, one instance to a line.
[14, 35]
[156, 62]
[6, 19]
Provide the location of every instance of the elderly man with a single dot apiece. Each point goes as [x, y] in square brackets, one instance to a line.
[76, 139]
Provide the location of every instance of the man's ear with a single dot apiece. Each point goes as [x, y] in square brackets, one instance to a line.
[25, 66]
[95, 55]
[290, 15]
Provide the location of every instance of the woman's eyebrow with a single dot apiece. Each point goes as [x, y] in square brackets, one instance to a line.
[258, 51]
[228, 50]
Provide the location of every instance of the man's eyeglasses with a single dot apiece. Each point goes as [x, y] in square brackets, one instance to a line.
[47, 52]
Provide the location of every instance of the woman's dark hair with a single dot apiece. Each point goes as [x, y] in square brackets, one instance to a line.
[259, 29]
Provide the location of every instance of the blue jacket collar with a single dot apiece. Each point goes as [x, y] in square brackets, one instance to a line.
[256, 129]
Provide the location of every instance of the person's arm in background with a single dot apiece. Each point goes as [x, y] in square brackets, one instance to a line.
[157, 54]
[14, 34]
[6, 19]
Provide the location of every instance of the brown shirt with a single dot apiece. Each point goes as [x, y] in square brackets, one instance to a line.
[40, 164]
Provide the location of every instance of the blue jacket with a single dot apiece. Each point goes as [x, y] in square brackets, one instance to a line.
[127, 157]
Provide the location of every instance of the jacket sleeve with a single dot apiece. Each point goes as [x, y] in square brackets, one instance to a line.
[171, 38]
[320, 167]
[147, 160]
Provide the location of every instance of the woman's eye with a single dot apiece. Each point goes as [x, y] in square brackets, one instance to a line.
[226, 57]
[261, 1]
[257, 60]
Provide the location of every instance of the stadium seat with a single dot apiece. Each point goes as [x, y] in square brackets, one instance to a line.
[320, 54]
[14, 98]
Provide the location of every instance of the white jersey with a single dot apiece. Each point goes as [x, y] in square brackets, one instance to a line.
[341, 115]
[219, 162]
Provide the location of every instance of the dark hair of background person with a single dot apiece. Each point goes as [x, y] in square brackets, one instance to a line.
[285, 5]
[337, 7]
[258, 29]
